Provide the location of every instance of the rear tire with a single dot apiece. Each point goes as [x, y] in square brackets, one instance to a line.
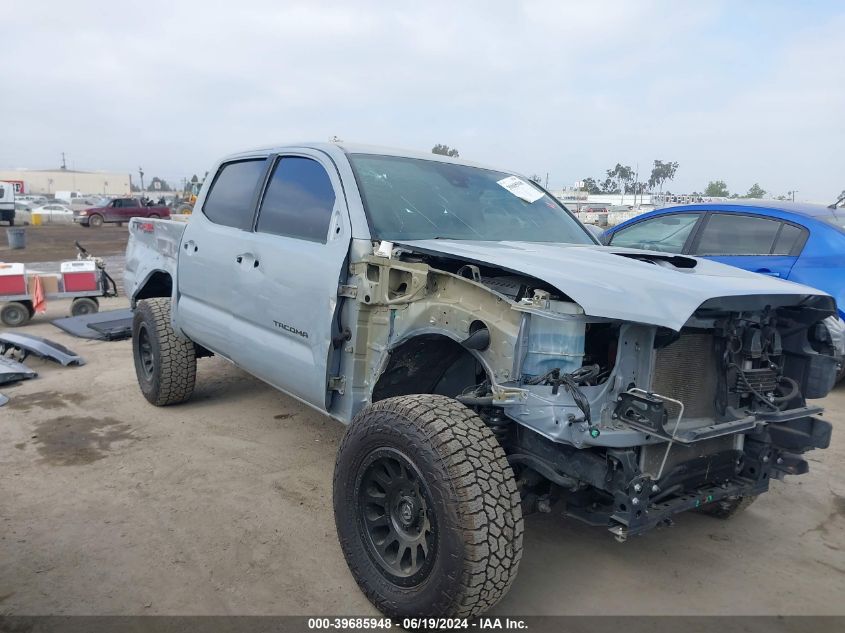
[84, 305]
[15, 314]
[728, 507]
[165, 364]
[95, 221]
[424, 473]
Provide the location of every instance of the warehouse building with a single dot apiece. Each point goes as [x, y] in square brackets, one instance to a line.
[49, 181]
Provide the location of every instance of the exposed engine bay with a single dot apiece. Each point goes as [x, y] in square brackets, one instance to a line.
[625, 423]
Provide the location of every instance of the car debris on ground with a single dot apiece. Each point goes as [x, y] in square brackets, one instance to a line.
[26, 344]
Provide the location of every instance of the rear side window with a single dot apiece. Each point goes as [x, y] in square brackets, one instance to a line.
[299, 200]
[789, 241]
[667, 233]
[232, 194]
[737, 235]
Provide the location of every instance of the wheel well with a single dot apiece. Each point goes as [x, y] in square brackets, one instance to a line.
[159, 284]
[429, 363]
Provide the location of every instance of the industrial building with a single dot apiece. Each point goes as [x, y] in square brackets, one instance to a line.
[49, 181]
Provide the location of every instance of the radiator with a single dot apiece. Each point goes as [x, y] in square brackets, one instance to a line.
[687, 370]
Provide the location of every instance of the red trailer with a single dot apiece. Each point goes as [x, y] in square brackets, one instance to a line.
[83, 280]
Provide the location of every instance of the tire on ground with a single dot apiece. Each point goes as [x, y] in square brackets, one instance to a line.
[472, 506]
[728, 507]
[165, 364]
[15, 314]
[95, 220]
[84, 305]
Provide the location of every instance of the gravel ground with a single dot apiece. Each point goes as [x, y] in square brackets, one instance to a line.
[223, 506]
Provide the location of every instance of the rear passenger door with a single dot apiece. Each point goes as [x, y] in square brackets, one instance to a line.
[208, 256]
[759, 244]
[288, 275]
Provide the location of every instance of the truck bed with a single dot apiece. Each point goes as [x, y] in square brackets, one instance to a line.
[153, 246]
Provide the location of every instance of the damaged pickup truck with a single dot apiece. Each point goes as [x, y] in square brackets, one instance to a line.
[489, 356]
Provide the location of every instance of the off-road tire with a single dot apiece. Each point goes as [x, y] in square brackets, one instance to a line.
[15, 314]
[728, 507]
[95, 221]
[165, 364]
[84, 305]
[474, 504]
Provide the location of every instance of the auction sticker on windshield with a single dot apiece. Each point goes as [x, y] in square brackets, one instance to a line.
[521, 189]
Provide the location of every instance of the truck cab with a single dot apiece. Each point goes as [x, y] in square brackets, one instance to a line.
[7, 203]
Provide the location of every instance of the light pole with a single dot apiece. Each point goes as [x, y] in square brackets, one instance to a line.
[792, 194]
[141, 173]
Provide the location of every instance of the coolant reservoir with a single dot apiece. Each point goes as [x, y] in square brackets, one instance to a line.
[555, 341]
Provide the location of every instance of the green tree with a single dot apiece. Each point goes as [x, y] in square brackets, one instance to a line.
[610, 186]
[756, 191]
[158, 184]
[622, 177]
[661, 173]
[445, 150]
[717, 189]
[591, 186]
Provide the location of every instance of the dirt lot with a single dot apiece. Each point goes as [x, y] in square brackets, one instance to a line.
[55, 242]
[223, 506]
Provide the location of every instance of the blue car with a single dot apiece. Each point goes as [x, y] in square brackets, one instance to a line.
[804, 243]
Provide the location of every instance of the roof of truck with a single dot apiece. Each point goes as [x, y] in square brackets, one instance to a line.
[360, 148]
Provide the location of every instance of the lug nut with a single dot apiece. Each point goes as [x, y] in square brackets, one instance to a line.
[638, 488]
[635, 501]
[655, 488]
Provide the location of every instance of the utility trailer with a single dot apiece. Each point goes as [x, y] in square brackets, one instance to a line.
[83, 280]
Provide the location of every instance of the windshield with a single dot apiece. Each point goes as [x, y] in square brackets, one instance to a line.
[415, 199]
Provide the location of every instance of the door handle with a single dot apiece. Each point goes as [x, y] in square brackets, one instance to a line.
[767, 271]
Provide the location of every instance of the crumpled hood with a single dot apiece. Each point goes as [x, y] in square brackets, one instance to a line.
[621, 283]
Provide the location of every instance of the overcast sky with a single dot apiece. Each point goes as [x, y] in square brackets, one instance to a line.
[739, 91]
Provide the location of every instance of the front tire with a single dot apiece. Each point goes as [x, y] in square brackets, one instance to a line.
[426, 507]
[95, 221]
[165, 364]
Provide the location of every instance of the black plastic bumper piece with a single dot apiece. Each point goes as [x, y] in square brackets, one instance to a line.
[804, 434]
